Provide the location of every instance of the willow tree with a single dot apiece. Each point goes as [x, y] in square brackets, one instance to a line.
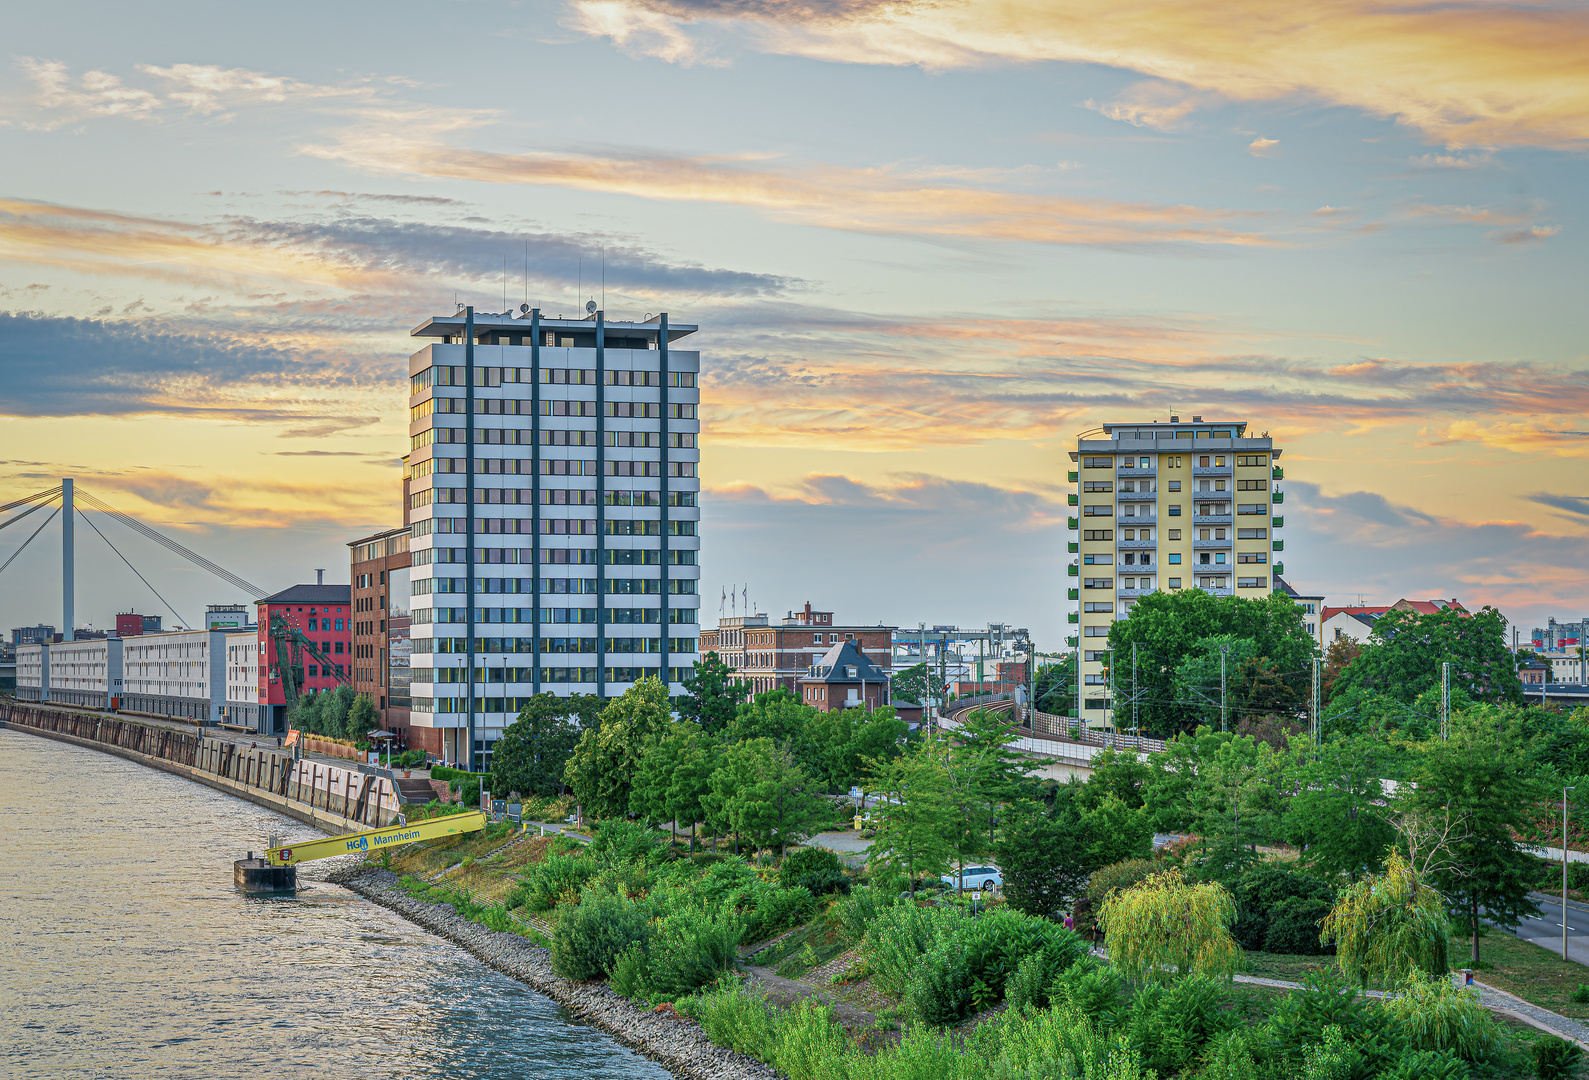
[1166, 923]
[1388, 926]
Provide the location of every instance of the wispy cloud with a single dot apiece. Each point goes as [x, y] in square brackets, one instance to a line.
[882, 200]
[1468, 74]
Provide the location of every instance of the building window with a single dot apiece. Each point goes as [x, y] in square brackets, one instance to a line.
[1175, 485]
[1098, 534]
[1100, 606]
[1098, 463]
[1104, 510]
[1175, 511]
[1251, 582]
[1098, 560]
[1175, 557]
[1175, 583]
[1096, 631]
[1098, 485]
[1098, 583]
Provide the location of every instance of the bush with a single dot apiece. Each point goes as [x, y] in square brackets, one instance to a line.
[939, 991]
[1326, 1000]
[1120, 875]
[1279, 910]
[1556, 1059]
[590, 936]
[1436, 1014]
[1173, 1024]
[469, 792]
[1580, 996]
[689, 949]
[1092, 990]
[776, 910]
[1427, 1065]
[857, 911]
[554, 878]
[625, 841]
[737, 1018]
[815, 869]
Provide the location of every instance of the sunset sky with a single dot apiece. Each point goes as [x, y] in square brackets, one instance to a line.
[927, 244]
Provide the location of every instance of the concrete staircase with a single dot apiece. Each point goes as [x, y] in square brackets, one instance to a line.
[414, 790]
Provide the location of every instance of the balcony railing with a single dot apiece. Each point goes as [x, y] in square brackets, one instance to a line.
[1126, 472]
[1136, 545]
[1211, 519]
[1136, 496]
[1212, 545]
[1211, 470]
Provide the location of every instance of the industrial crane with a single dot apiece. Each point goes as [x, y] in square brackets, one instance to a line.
[291, 644]
[277, 871]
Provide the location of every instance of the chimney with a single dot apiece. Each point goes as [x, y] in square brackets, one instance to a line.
[319, 577]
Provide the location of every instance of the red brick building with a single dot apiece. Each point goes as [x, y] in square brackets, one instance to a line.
[325, 615]
[775, 656]
[381, 644]
[843, 678]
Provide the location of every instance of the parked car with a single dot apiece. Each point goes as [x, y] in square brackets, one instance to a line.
[976, 877]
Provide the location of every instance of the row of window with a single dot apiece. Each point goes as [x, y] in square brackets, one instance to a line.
[1174, 461]
[556, 556]
[553, 527]
[485, 496]
[553, 675]
[621, 410]
[555, 586]
[550, 616]
[456, 375]
[1210, 509]
[493, 436]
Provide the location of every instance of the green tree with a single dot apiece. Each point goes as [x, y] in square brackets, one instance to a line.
[1168, 628]
[1406, 649]
[763, 795]
[532, 755]
[1115, 831]
[916, 823]
[602, 769]
[1165, 923]
[918, 685]
[1043, 856]
[1483, 779]
[1055, 691]
[772, 714]
[711, 694]
[1337, 817]
[1387, 926]
[691, 781]
[984, 763]
[1118, 773]
[362, 719]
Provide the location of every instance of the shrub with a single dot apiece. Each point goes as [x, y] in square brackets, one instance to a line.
[815, 869]
[1556, 1059]
[1120, 875]
[1436, 1014]
[689, 949]
[1173, 1024]
[590, 936]
[1092, 990]
[1279, 910]
[939, 991]
[625, 841]
[1427, 1065]
[554, 878]
[897, 940]
[737, 1018]
[777, 909]
[1580, 996]
[1327, 1000]
[807, 1041]
[857, 911]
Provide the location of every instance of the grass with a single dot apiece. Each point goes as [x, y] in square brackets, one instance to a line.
[1534, 974]
[1288, 966]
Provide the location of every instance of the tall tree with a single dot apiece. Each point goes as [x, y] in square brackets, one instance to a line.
[533, 752]
[984, 762]
[1043, 856]
[603, 766]
[1056, 687]
[918, 684]
[1406, 649]
[711, 694]
[1167, 628]
[1485, 778]
[1164, 924]
[1338, 816]
[763, 796]
[772, 714]
[916, 823]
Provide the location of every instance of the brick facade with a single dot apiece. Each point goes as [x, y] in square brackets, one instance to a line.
[776, 656]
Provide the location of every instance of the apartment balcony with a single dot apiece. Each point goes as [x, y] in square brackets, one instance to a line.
[1212, 545]
[1278, 523]
[1279, 545]
[1280, 474]
[1074, 476]
[1216, 592]
[1136, 545]
[1135, 594]
[1209, 493]
[1279, 497]
[1126, 473]
[1144, 520]
[1136, 496]
[1073, 546]
[1211, 470]
[1073, 524]
[1211, 519]
[1073, 594]
[1072, 499]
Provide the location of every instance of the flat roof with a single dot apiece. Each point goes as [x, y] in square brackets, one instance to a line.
[448, 325]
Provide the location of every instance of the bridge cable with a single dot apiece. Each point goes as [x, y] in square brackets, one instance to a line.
[89, 521]
[44, 495]
[18, 517]
[254, 591]
[28, 541]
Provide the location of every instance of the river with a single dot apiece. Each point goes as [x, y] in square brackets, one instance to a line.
[126, 952]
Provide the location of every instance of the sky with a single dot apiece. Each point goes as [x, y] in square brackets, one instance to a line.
[927, 244]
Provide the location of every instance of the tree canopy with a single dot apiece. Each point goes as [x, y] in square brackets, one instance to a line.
[711, 693]
[533, 752]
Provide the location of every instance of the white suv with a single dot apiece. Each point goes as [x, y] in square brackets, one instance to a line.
[976, 877]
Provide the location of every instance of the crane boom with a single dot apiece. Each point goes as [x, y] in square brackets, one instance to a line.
[375, 839]
[291, 643]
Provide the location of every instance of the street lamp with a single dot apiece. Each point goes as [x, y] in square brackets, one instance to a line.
[1564, 869]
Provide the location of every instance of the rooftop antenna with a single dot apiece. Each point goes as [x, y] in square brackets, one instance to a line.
[579, 278]
[526, 273]
[604, 276]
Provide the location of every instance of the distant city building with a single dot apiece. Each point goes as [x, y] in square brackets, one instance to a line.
[176, 673]
[1355, 623]
[129, 624]
[1166, 506]
[585, 517]
[227, 616]
[244, 696]
[33, 671]
[382, 645]
[1312, 610]
[1560, 635]
[844, 678]
[33, 635]
[86, 673]
[324, 613]
[773, 656]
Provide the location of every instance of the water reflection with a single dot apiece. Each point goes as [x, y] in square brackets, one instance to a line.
[126, 951]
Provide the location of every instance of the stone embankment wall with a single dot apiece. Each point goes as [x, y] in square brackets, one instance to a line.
[329, 797]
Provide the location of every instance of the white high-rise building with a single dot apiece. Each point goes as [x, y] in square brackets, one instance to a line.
[559, 485]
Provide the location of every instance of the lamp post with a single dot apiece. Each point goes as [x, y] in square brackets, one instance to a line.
[1564, 869]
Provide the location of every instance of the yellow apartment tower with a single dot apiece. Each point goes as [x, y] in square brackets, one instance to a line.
[1165, 506]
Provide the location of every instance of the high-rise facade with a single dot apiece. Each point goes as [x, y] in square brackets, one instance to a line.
[1165, 506]
[554, 482]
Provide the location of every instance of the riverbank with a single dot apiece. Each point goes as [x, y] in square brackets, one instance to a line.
[662, 1035]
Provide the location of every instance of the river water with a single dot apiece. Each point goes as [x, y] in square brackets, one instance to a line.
[126, 952]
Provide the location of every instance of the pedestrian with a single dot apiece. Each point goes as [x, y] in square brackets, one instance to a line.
[1070, 923]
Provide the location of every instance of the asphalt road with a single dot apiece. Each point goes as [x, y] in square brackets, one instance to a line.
[1546, 930]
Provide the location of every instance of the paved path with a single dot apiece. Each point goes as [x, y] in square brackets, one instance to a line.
[1496, 1000]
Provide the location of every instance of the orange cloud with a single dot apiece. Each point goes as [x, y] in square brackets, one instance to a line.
[1465, 73]
[854, 200]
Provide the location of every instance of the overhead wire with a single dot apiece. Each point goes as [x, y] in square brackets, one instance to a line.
[134, 569]
[28, 541]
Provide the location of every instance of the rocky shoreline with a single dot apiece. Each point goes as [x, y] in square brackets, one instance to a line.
[672, 1040]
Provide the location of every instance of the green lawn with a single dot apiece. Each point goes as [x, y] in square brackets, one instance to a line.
[1519, 967]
